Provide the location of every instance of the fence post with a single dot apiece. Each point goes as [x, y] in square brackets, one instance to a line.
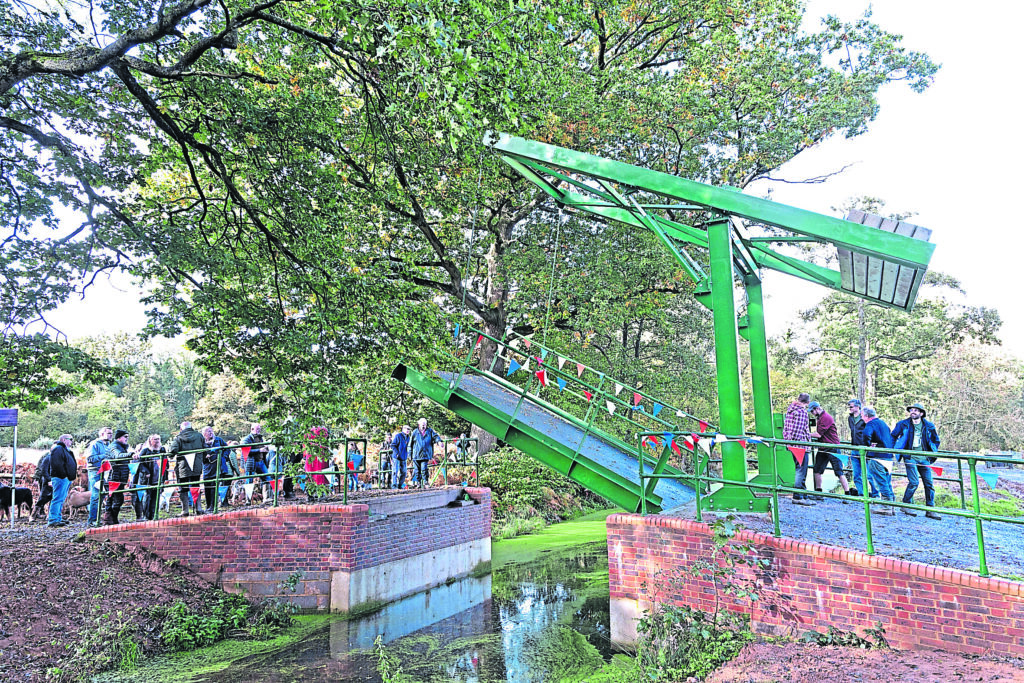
[982, 564]
[866, 481]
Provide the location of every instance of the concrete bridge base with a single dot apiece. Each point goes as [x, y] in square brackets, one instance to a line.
[330, 556]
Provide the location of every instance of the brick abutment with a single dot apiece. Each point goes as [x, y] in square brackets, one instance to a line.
[330, 556]
[809, 586]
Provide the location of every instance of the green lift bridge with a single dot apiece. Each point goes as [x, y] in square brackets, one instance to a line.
[879, 259]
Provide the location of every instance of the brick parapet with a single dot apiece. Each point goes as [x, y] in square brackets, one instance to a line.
[815, 586]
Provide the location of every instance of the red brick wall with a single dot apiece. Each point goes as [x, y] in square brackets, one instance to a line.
[260, 548]
[814, 586]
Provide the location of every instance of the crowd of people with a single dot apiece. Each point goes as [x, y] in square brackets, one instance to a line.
[914, 433]
[196, 460]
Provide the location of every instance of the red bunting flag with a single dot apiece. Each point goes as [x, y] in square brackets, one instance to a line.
[479, 339]
[798, 453]
[703, 426]
[636, 398]
[195, 494]
[580, 367]
[936, 470]
[245, 451]
[114, 485]
[676, 448]
[588, 394]
[105, 466]
[651, 441]
[743, 442]
[163, 466]
[542, 377]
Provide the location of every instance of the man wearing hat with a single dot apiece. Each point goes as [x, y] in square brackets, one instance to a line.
[917, 434]
[118, 456]
[825, 431]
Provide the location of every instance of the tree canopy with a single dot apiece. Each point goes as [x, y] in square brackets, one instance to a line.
[303, 186]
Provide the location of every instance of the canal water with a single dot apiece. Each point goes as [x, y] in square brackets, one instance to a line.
[540, 615]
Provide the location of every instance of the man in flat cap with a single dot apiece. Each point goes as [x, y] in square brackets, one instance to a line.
[917, 434]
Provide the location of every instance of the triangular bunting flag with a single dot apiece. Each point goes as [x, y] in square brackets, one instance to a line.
[105, 466]
[688, 441]
[561, 384]
[675, 447]
[680, 413]
[133, 467]
[245, 451]
[479, 338]
[190, 458]
[526, 365]
[656, 409]
[513, 366]
[543, 354]
[618, 389]
[542, 377]
[455, 334]
[936, 470]
[706, 444]
[526, 343]
[96, 485]
[754, 439]
[248, 488]
[670, 442]
[609, 405]
[580, 367]
[990, 478]
[703, 426]
[195, 494]
[163, 466]
[588, 394]
[561, 362]
[636, 398]
[797, 452]
[742, 442]
[114, 485]
[651, 441]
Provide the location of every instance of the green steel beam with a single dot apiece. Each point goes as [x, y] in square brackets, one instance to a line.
[883, 245]
[560, 457]
[759, 375]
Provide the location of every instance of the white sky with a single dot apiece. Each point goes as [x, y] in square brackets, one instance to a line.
[951, 155]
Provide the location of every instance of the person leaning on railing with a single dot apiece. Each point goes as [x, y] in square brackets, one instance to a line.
[118, 455]
[877, 435]
[256, 461]
[188, 440]
[97, 454]
[148, 474]
[856, 422]
[917, 434]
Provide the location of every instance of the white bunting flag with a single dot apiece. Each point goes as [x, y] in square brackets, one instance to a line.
[887, 464]
[680, 413]
[190, 458]
[706, 444]
[96, 486]
[611, 407]
[526, 365]
[561, 362]
[248, 488]
[618, 389]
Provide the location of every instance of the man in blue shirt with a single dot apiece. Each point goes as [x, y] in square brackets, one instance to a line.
[877, 434]
[917, 434]
[97, 454]
[399, 453]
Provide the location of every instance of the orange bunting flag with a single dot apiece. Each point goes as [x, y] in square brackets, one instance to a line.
[936, 470]
[703, 426]
[798, 453]
[105, 466]
[580, 367]
[588, 394]
[195, 494]
[114, 485]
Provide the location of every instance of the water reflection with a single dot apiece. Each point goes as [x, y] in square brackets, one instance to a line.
[542, 620]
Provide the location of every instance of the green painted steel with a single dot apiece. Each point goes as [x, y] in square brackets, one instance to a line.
[760, 382]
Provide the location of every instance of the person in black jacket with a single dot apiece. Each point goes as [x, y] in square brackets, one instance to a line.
[62, 469]
[856, 422]
[148, 474]
[119, 474]
[42, 477]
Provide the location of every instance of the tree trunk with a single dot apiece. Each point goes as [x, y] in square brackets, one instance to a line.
[496, 328]
[862, 353]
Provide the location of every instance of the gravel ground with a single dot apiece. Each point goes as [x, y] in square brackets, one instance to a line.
[949, 542]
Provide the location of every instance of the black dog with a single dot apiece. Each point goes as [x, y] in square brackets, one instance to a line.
[22, 498]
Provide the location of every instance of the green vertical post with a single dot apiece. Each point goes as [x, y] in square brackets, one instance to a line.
[727, 360]
[982, 564]
[760, 382]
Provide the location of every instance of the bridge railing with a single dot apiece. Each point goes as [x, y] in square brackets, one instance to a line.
[291, 455]
[581, 394]
[704, 477]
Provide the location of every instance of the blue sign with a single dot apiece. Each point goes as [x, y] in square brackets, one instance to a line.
[8, 417]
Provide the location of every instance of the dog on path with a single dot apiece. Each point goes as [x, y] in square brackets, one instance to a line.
[22, 498]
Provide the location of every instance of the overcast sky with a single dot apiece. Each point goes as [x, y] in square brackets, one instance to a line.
[951, 155]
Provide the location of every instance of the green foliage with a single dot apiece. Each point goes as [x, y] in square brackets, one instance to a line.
[109, 641]
[875, 638]
[564, 654]
[526, 495]
[387, 663]
[676, 642]
[1005, 506]
[186, 629]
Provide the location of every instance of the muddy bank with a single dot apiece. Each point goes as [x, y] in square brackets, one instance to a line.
[69, 608]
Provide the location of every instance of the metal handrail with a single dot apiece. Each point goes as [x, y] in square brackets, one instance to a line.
[699, 478]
